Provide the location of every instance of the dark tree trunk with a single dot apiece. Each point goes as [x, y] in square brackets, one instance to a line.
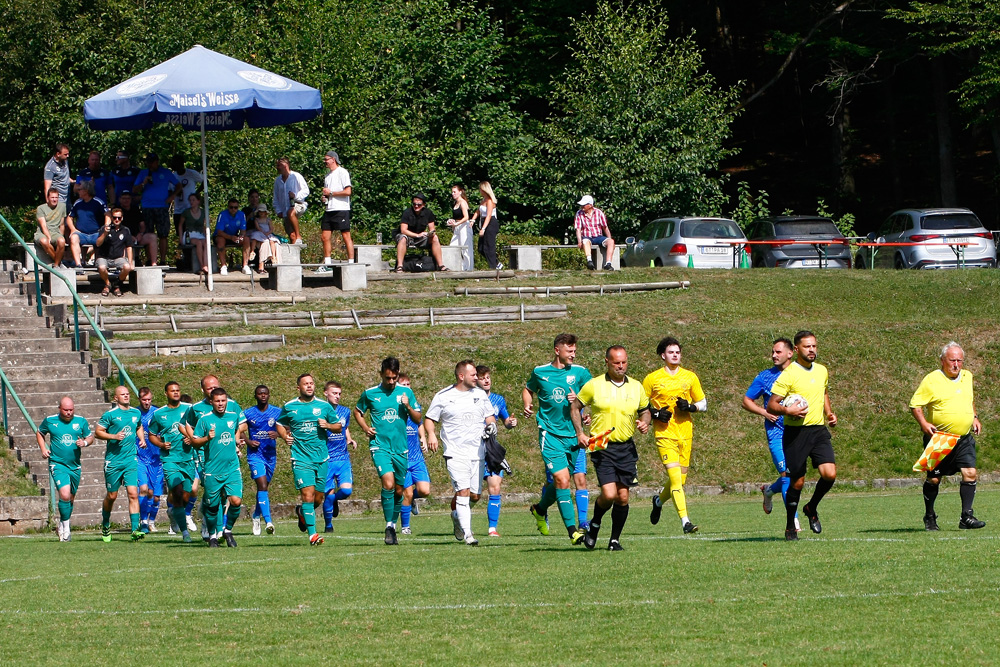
[841, 145]
[946, 167]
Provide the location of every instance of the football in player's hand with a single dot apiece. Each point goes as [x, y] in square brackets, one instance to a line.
[795, 401]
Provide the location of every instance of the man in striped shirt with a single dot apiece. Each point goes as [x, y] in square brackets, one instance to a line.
[592, 229]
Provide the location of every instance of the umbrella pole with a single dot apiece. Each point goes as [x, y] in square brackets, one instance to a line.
[209, 241]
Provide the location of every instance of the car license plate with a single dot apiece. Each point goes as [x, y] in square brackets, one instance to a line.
[714, 250]
[810, 262]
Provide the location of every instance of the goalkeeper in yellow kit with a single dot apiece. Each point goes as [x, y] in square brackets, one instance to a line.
[674, 394]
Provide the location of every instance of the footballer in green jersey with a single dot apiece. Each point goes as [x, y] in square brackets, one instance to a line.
[67, 434]
[387, 437]
[167, 431]
[121, 427]
[303, 424]
[218, 434]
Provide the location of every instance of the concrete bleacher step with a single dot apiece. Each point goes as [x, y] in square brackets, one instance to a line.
[23, 373]
[9, 347]
[40, 392]
[52, 359]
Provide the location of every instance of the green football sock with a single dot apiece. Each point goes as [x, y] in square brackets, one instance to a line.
[180, 518]
[105, 517]
[397, 506]
[134, 519]
[548, 497]
[210, 515]
[388, 504]
[234, 513]
[65, 510]
[309, 515]
[564, 498]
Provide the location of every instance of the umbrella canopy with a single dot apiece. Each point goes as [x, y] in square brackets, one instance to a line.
[229, 92]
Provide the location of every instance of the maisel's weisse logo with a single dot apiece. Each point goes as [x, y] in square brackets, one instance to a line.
[266, 79]
[203, 100]
[218, 119]
[133, 86]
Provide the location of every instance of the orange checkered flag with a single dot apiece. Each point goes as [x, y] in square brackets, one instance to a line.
[598, 442]
[939, 446]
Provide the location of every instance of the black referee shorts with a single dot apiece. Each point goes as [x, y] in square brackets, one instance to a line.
[617, 464]
[802, 443]
[962, 456]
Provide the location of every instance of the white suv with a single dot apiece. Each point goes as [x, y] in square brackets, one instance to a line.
[932, 226]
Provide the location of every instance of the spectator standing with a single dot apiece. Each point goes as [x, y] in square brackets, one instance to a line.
[158, 187]
[337, 195]
[123, 175]
[489, 225]
[50, 216]
[102, 178]
[592, 229]
[57, 173]
[289, 198]
[461, 227]
[188, 180]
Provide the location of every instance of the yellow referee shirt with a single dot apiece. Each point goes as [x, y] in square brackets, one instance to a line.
[613, 406]
[663, 390]
[949, 402]
[810, 384]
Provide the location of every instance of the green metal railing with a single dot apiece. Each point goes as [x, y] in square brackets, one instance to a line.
[123, 377]
[6, 386]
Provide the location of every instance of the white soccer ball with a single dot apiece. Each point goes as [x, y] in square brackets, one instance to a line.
[794, 400]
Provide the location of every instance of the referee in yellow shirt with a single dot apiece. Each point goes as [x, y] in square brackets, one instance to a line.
[947, 397]
[616, 402]
[806, 435]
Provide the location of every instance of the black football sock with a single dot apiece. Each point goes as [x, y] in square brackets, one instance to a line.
[822, 486]
[967, 491]
[619, 515]
[930, 495]
[599, 512]
[791, 506]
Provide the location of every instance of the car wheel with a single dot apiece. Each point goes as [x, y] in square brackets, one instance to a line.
[759, 263]
[658, 262]
[898, 263]
[859, 263]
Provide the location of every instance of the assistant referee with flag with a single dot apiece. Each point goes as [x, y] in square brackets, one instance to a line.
[618, 404]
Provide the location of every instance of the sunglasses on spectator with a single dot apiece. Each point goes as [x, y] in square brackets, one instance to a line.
[116, 217]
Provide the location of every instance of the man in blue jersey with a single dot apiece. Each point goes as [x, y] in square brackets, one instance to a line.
[262, 454]
[101, 177]
[150, 467]
[339, 476]
[494, 477]
[418, 479]
[556, 385]
[158, 187]
[85, 220]
[782, 352]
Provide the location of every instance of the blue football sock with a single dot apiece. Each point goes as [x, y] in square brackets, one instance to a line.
[493, 511]
[582, 506]
[328, 509]
[154, 507]
[343, 493]
[190, 506]
[404, 515]
[264, 502]
[143, 508]
[779, 485]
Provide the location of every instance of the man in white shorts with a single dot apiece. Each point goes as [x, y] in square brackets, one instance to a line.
[289, 198]
[461, 409]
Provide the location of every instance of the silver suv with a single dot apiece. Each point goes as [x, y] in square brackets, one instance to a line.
[931, 225]
[705, 243]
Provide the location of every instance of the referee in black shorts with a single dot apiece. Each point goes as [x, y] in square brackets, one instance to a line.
[807, 412]
[616, 402]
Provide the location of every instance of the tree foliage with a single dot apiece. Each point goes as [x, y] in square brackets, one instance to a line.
[639, 124]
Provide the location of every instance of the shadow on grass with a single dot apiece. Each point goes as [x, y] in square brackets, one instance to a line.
[772, 538]
[893, 530]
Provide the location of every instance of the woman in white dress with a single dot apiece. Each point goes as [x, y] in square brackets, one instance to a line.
[461, 227]
[262, 239]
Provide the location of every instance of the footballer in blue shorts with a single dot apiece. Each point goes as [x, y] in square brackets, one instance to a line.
[782, 352]
[262, 453]
[418, 480]
[494, 477]
[150, 467]
[339, 476]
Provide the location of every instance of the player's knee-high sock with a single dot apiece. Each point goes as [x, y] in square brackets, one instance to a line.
[404, 515]
[154, 508]
[684, 478]
[388, 504]
[548, 497]
[600, 509]
[791, 506]
[143, 508]
[493, 510]
[105, 517]
[65, 510]
[343, 493]
[190, 505]
[619, 515]
[179, 517]
[464, 514]
[967, 492]
[564, 498]
[309, 516]
[677, 492]
[328, 509]
[397, 506]
[785, 482]
[822, 486]
[210, 515]
[582, 505]
[134, 520]
[232, 515]
[779, 485]
[264, 503]
[930, 495]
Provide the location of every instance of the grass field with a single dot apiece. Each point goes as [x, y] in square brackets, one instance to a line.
[874, 588]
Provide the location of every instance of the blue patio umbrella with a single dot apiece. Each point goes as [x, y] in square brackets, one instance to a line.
[203, 90]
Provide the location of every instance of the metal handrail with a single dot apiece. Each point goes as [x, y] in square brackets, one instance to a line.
[5, 386]
[123, 377]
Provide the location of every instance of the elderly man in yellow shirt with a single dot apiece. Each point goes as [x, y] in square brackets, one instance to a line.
[618, 408]
[944, 403]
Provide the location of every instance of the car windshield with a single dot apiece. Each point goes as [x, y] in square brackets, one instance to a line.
[950, 221]
[710, 229]
[806, 228]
